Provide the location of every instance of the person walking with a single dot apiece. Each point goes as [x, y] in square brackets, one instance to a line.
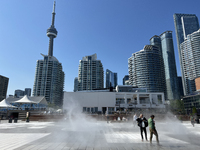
[152, 129]
[192, 120]
[107, 117]
[134, 120]
[142, 123]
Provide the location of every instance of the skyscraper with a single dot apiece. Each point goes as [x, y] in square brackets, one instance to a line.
[19, 93]
[3, 87]
[27, 91]
[49, 77]
[184, 24]
[190, 50]
[91, 74]
[75, 84]
[156, 41]
[171, 79]
[146, 69]
[165, 44]
[126, 80]
[180, 84]
[111, 79]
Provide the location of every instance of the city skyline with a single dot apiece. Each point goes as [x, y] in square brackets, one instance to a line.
[85, 28]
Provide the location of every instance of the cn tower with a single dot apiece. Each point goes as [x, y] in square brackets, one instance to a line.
[52, 32]
[49, 75]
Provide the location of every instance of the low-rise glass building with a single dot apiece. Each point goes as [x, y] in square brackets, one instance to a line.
[191, 101]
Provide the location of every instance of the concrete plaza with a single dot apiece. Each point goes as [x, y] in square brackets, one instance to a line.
[96, 135]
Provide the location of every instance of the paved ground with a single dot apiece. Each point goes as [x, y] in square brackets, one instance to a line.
[96, 135]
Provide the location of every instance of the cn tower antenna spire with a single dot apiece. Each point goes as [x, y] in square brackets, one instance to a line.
[53, 13]
[54, 5]
[52, 32]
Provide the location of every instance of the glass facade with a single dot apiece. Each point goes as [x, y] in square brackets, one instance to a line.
[27, 91]
[49, 80]
[144, 99]
[180, 84]
[91, 110]
[91, 74]
[19, 93]
[126, 78]
[171, 80]
[165, 43]
[190, 102]
[156, 41]
[190, 49]
[146, 69]
[75, 84]
[184, 24]
[3, 87]
[111, 79]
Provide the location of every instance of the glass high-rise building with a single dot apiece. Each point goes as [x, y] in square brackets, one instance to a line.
[3, 87]
[156, 41]
[126, 80]
[75, 84]
[165, 44]
[184, 24]
[19, 93]
[91, 74]
[49, 77]
[190, 50]
[180, 84]
[146, 69]
[27, 91]
[171, 79]
[111, 79]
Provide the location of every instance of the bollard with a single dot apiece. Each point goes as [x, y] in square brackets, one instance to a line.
[9, 120]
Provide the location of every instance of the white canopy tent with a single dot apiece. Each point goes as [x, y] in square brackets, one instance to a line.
[5, 104]
[25, 100]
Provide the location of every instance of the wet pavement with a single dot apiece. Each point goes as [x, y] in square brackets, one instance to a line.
[96, 135]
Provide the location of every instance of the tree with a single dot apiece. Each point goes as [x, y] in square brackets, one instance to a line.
[194, 111]
[177, 106]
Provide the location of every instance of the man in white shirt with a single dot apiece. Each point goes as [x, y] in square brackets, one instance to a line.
[142, 123]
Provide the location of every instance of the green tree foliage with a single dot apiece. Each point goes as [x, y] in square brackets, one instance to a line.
[194, 111]
[177, 106]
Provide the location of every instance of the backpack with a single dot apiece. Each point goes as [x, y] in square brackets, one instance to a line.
[146, 123]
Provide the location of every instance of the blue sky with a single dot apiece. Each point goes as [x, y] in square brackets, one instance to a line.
[113, 29]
